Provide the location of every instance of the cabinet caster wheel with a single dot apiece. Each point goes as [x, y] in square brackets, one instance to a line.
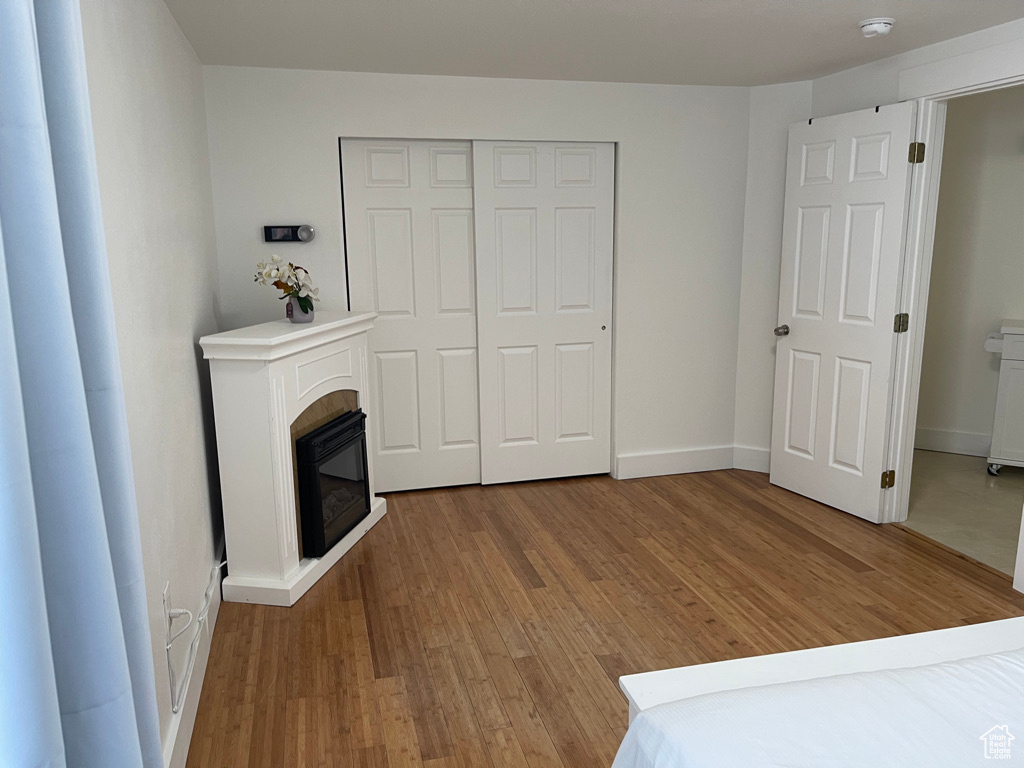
[993, 469]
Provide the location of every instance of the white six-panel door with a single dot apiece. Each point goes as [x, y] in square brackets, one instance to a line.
[544, 215]
[409, 236]
[847, 185]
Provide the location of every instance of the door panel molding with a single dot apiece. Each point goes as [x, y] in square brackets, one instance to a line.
[844, 235]
[544, 215]
[410, 248]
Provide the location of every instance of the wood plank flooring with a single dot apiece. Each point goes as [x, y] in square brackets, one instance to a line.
[486, 626]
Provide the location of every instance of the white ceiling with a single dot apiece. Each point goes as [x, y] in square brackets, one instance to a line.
[706, 42]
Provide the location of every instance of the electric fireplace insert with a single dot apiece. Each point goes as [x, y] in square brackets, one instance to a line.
[334, 493]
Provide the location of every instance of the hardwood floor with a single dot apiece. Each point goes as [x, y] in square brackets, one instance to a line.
[486, 626]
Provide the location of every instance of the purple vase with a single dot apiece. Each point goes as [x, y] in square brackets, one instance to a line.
[294, 312]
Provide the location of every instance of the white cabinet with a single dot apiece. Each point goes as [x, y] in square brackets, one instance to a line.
[1008, 430]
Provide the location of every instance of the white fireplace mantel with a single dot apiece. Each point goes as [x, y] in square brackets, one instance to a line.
[264, 376]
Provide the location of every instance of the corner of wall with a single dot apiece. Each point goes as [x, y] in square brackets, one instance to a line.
[751, 459]
[772, 109]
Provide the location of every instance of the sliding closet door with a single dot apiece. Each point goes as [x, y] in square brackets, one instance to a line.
[544, 214]
[409, 238]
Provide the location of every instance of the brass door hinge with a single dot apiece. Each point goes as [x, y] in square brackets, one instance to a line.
[901, 323]
[888, 479]
[916, 152]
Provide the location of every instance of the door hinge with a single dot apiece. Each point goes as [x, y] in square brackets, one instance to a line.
[916, 152]
[901, 323]
[888, 479]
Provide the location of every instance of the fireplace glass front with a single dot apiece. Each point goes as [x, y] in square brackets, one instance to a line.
[334, 494]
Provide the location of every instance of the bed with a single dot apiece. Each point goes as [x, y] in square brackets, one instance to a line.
[952, 697]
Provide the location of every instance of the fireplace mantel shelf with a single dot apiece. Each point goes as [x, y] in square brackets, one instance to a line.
[280, 338]
[264, 377]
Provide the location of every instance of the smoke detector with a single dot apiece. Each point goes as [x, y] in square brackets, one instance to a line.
[875, 27]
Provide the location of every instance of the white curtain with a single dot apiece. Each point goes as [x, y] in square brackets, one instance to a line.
[76, 666]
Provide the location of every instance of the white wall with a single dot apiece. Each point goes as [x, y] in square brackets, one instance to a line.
[977, 269]
[772, 109]
[146, 88]
[680, 197]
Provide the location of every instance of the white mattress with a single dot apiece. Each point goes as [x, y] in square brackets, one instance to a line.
[931, 716]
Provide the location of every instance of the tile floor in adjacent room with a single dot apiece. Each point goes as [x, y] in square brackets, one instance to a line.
[954, 501]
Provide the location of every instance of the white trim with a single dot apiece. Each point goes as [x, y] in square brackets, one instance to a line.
[179, 734]
[951, 441]
[281, 338]
[752, 459]
[286, 592]
[654, 463]
[993, 67]
[999, 66]
[649, 689]
[917, 264]
[681, 462]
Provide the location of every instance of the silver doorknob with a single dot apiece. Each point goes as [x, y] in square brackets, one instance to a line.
[782, 330]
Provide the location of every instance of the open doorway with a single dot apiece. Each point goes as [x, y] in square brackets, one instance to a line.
[976, 285]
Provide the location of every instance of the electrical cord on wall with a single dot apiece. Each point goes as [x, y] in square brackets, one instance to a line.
[178, 691]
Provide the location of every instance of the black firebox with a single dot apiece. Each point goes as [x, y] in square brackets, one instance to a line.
[334, 493]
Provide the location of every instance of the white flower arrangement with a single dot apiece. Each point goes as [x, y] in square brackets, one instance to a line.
[290, 279]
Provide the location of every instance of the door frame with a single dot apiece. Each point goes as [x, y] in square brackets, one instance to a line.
[414, 136]
[916, 276]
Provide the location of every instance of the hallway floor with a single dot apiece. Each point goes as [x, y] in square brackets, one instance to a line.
[954, 501]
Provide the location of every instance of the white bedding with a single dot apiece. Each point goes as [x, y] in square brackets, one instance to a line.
[932, 716]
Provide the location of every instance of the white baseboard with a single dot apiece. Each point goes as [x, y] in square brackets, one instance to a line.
[752, 459]
[950, 441]
[179, 735]
[286, 592]
[653, 463]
